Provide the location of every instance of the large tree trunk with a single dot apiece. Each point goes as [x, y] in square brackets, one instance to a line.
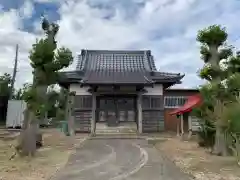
[69, 114]
[42, 93]
[27, 139]
[220, 146]
[30, 137]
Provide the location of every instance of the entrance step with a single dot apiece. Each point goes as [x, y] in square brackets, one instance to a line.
[126, 128]
[117, 136]
[102, 131]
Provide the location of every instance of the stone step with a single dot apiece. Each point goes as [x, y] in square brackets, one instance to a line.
[117, 136]
[114, 131]
[4, 133]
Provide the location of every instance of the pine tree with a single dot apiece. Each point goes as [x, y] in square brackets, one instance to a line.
[213, 50]
[46, 60]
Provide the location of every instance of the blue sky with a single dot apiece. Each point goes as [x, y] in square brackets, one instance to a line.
[167, 27]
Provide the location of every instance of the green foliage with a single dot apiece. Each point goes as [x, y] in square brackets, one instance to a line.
[225, 53]
[233, 85]
[41, 54]
[232, 115]
[46, 60]
[213, 35]
[218, 110]
[61, 105]
[208, 73]
[63, 58]
[5, 83]
[34, 102]
[206, 133]
[52, 97]
[205, 54]
[204, 113]
[46, 63]
[213, 46]
[233, 64]
[17, 95]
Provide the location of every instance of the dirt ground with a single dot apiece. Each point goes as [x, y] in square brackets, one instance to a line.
[54, 155]
[198, 161]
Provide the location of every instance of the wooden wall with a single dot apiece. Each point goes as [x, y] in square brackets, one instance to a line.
[152, 113]
[82, 113]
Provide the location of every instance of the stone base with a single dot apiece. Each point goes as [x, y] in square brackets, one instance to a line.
[122, 128]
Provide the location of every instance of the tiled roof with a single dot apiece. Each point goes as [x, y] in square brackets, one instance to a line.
[119, 67]
[118, 61]
[113, 77]
[165, 75]
[72, 74]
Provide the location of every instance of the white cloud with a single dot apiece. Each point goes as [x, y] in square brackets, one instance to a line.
[48, 1]
[9, 21]
[167, 27]
[82, 27]
[27, 9]
[10, 35]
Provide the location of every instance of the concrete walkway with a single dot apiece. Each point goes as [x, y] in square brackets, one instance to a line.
[118, 159]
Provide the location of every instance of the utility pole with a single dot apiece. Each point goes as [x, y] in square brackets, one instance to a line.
[14, 73]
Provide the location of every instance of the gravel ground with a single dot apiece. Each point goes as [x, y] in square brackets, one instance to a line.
[198, 162]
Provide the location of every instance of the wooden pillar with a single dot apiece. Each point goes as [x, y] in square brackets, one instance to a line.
[70, 113]
[182, 130]
[178, 126]
[93, 120]
[139, 110]
[189, 126]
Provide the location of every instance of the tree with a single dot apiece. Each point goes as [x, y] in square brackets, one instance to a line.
[46, 60]
[52, 96]
[233, 71]
[213, 50]
[18, 94]
[233, 64]
[204, 113]
[61, 104]
[5, 82]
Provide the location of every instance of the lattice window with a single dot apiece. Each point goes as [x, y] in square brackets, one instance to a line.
[174, 101]
[83, 102]
[152, 102]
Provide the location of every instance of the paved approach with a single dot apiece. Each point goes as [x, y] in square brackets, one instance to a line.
[119, 159]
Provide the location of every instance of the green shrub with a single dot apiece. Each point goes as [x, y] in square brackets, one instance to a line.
[206, 133]
[232, 116]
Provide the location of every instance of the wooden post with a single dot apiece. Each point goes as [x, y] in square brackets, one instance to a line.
[70, 119]
[139, 107]
[182, 130]
[178, 127]
[93, 120]
[189, 126]
[69, 112]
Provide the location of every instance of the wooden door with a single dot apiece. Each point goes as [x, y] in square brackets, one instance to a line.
[112, 119]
